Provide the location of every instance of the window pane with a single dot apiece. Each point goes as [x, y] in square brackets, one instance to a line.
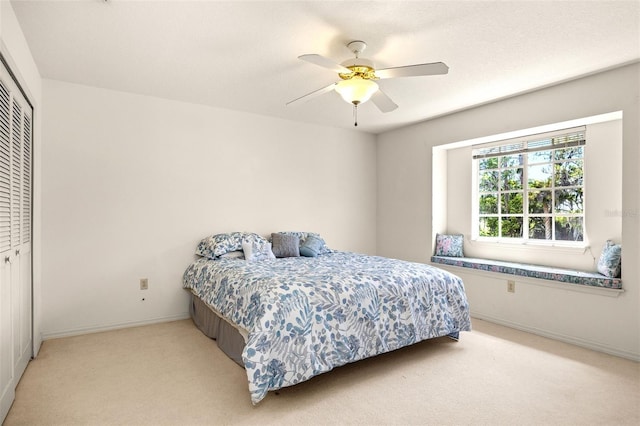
[540, 157]
[569, 173]
[488, 226]
[540, 176]
[539, 202]
[511, 203]
[488, 181]
[540, 228]
[512, 227]
[569, 153]
[488, 163]
[511, 160]
[569, 201]
[489, 204]
[569, 229]
[511, 179]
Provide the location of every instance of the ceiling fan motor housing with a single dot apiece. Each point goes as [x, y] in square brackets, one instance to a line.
[360, 67]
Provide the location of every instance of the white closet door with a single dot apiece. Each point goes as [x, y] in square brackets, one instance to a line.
[15, 237]
[23, 312]
[7, 388]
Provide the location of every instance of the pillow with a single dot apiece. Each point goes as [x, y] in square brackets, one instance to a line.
[216, 245]
[610, 260]
[238, 254]
[311, 246]
[449, 245]
[302, 236]
[284, 245]
[254, 251]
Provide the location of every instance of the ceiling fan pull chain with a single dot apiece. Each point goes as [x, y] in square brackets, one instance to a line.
[355, 114]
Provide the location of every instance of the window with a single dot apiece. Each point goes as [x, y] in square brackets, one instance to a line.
[531, 188]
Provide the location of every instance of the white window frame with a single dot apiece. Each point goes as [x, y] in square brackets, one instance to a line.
[524, 145]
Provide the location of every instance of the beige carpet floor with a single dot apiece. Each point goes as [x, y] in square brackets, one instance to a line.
[171, 374]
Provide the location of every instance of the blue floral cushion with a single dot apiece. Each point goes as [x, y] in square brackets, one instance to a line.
[256, 250]
[216, 245]
[449, 245]
[542, 272]
[610, 260]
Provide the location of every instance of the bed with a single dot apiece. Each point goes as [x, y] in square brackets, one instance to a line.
[287, 319]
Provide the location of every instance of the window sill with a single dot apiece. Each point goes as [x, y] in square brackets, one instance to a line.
[537, 272]
[533, 244]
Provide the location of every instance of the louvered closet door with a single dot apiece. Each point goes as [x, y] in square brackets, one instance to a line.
[15, 237]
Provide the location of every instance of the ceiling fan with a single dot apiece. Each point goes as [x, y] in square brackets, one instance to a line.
[357, 78]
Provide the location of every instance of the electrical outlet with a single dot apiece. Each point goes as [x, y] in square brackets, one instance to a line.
[511, 286]
[144, 283]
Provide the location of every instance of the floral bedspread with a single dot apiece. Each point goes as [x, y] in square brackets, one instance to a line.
[305, 316]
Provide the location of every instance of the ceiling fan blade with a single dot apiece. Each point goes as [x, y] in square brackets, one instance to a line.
[324, 62]
[313, 94]
[383, 102]
[434, 68]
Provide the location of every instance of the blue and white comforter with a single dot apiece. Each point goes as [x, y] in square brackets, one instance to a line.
[305, 316]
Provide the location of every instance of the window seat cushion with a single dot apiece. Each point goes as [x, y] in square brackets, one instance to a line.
[532, 271]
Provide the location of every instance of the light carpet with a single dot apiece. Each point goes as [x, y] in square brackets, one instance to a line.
[171, 374]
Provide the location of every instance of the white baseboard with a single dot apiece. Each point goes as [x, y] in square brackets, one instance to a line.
[595, 346]
[109, 327]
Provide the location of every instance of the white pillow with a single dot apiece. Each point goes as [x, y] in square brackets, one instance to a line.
[254, 251]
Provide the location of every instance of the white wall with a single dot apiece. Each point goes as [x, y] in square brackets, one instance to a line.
[405, 228]
[132, 183]
[16, 52]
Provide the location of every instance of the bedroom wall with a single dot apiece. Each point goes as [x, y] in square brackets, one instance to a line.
[16, 52]
[406, 230]
[132, 183]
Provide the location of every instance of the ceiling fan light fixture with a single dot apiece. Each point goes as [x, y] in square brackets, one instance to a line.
[356, 90]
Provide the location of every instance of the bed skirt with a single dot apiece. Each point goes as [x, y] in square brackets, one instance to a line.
[226, 336]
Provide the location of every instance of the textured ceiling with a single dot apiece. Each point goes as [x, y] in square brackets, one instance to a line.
[243, 55]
